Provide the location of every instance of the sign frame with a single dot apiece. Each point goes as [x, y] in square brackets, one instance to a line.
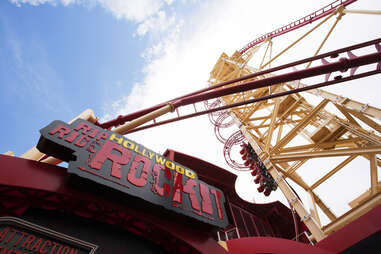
[112, 160]
[31, 228]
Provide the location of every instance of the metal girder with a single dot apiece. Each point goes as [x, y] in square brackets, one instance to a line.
[320, 154]
[333, 171]
[290, 135]
[337, 143]
[326, 135]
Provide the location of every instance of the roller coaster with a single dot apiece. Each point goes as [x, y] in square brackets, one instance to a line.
[278, 129]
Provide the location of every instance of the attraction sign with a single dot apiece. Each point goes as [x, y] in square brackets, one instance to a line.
[19, 237]
[112, 160]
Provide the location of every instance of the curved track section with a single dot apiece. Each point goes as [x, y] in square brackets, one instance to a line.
[218, 119]
[322, 12]
[221, 123]
[235, 139]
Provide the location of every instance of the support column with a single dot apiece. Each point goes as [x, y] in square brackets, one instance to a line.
[292, 198]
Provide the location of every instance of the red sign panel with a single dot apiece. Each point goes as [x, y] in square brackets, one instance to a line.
[113, 160]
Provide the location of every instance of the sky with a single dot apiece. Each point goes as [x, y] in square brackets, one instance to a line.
[60, 57]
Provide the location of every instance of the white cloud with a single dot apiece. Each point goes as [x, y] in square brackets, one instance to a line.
[68, 2]
[148, 14]
[181, 60]
[137, 11]
[32, 2]
[158, 23]
[163, 46]
[180, 64]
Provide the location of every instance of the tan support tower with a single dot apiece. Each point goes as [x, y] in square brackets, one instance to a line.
[289, 131]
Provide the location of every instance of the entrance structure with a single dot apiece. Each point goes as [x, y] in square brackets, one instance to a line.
[281, 131]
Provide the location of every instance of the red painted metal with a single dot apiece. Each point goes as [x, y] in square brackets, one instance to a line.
[122, 119]
[226, 182]
[337, 80]
[342, 64]
[235, 139]
[260, 245]
[221, 123]
[322, 12]
[298, 90]
[25, 183]
[357, 230]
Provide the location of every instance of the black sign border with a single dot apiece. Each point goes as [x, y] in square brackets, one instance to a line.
[53, 146]
[8, 220]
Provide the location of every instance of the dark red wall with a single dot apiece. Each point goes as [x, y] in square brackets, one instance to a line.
[26, 184]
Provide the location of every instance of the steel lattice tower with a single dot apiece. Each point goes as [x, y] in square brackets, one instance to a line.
[288, 132]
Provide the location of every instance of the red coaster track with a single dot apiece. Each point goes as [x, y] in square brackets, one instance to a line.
[326, 10]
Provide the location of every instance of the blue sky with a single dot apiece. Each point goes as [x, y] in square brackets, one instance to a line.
[60, 57]
[56, 61]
